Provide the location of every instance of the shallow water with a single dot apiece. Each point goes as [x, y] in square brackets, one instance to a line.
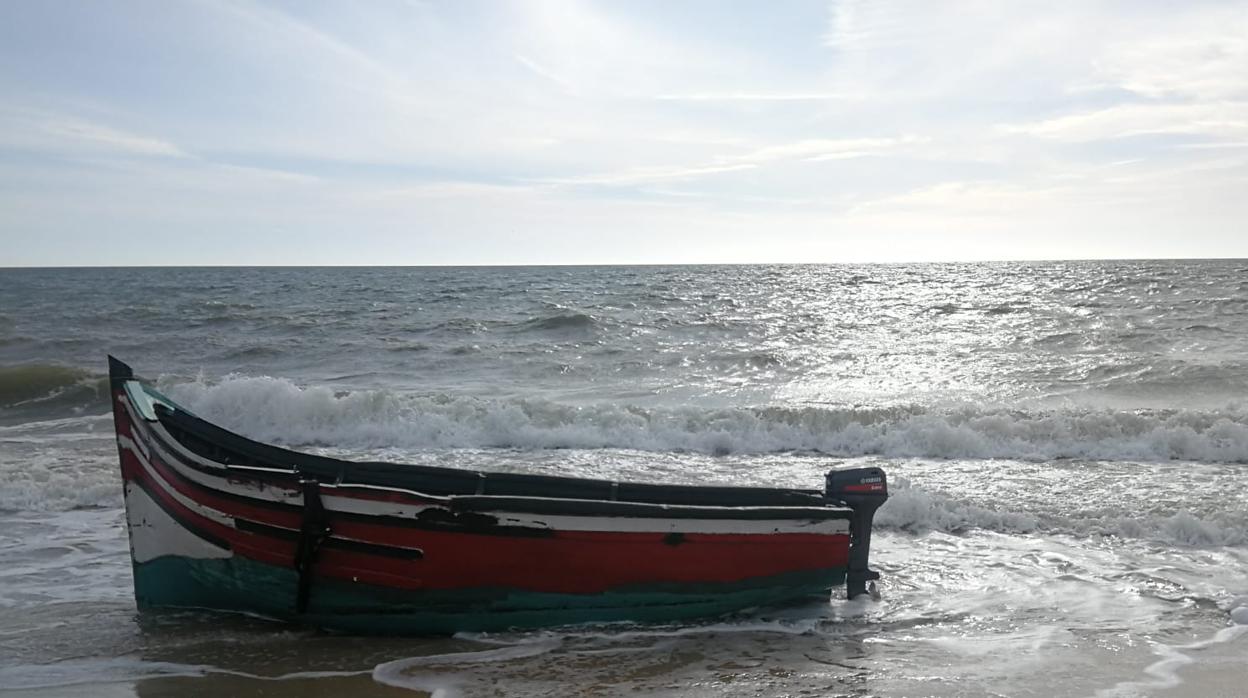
[1066, 441]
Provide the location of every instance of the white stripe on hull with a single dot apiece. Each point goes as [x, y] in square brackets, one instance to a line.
[154, 533]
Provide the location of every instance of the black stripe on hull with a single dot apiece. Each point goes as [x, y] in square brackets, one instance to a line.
[345, 544]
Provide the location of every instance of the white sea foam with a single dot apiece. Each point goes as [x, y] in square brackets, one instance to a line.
[124, 669]
[914, 509]
[37, 489]
[275, 409]
[1164, 672]
[58, 465]
[398, 673]
[77, 672]
[799, 621]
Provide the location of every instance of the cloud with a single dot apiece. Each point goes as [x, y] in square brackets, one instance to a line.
[642, 175]
[1198, 55]
[827, 149]
[861, 25]
[1186, 72]
[966, 198]
[448, 190]
[757, 97]
[813, 150]
[1213, 120]
[544, 72]
[48, 131]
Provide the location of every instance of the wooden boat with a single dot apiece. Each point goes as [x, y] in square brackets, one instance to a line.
[218, 521]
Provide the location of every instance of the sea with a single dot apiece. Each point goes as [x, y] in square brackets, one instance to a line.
[1066, 442]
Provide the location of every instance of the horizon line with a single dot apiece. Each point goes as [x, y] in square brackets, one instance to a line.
[488, 265]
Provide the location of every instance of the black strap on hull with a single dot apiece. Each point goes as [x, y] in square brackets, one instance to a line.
[312, 533]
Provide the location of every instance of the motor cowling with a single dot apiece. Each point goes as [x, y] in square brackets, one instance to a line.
[863, 490]
[855, 486]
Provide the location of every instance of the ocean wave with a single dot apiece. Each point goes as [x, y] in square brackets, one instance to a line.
[59, 465]
[1061, 339]
[15, 340]
[218, 305]
[253, 352]
[916, 510]
[459, 326]
[748, 359]
[277, 410]
[1006, 309]
[38, 388]
[400, 346]
[564, 321]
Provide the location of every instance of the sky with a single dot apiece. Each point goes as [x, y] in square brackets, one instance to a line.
[159, 132]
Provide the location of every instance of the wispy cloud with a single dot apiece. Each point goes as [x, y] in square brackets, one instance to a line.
[642, 175]
[544, 72]
[43, 130]
[757, 97]
[1215, 120]
[812, 150]
[1195, 56]
[827, 149]
[1187, 71]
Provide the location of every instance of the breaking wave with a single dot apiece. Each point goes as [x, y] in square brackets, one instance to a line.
[913, 509]
[39, 381]
[916, 510]
[45, 388]
[277, 410]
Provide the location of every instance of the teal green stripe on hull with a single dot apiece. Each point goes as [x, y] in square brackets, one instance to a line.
[238, 584]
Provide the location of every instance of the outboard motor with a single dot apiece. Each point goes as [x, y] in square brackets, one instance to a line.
[863, 490]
